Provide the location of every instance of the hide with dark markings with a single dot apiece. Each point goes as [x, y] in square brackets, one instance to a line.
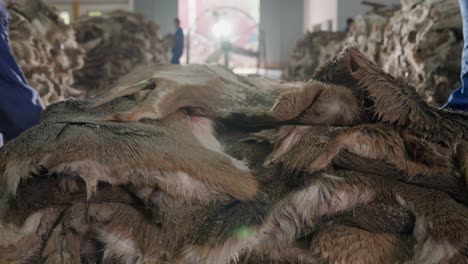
[194, 164]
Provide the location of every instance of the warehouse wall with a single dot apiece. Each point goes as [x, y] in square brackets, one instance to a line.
[161, 11]
[319, 12]
[352, 8]
[282, 22]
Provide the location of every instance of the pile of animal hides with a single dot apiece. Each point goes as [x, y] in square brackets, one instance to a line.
[423, 42]
[194, 164]
[114, 44]
[367, 31]
[45, 48]
[420, 40]
[311, 51]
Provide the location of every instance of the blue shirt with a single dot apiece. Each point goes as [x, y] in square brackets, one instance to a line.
[178, 43]
[19, 104]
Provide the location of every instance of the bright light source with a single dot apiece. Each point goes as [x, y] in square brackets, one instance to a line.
[222, 29]
[65, 16]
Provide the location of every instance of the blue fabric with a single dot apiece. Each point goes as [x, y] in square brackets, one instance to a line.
[19, 104]
[458, 100]
[178, 47]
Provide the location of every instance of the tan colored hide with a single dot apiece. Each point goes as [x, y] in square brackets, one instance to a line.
[351, 167]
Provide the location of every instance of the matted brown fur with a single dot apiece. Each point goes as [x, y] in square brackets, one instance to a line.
[394, 100]
[138, 153]
[363, 246]
[314, 148]
[216, 92]
[177, 190]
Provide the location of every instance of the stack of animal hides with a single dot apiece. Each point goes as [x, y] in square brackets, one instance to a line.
[420, 40]
[311, 51]
[45, 48]
[423, 42]
[367, 32]
[114, 44]
[194, 164]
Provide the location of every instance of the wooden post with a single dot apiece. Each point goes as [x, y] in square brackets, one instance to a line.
[76, 9]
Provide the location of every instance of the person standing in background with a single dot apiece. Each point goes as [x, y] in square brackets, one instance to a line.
[458, 100]
[178, 47]
[349, 24]
[20, 106]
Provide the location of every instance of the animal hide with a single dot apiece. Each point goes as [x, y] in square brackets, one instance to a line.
[45, 48]
[368, 30]
[194, 164]
[114, 44]
[423, 42]
[311, 51]
[420, 41]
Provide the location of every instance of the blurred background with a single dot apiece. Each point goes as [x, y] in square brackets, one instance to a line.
[102, 40]
[262, 33]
